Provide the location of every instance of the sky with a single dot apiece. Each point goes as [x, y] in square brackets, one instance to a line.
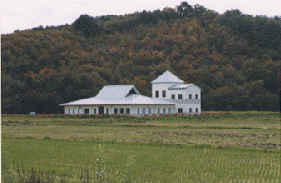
[27, 14]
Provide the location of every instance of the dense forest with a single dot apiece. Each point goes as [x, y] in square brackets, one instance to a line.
[234, 58]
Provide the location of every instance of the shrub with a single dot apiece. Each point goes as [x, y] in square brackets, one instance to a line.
[46, 137]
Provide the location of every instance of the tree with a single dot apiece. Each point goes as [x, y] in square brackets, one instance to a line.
[87, 25]
[198, 9]
[184, 9]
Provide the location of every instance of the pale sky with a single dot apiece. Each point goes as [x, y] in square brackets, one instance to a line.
[27, 14]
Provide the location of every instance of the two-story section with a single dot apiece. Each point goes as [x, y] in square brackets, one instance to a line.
[186, 96]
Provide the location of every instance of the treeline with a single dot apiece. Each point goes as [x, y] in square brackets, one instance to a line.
[234, 58]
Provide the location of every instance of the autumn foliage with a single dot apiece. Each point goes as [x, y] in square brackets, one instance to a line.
[223, 54]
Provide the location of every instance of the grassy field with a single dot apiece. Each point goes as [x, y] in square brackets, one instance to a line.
[236, 147]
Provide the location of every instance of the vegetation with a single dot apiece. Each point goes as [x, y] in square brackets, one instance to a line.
[214, 147]
[74, 161]
[234, 58]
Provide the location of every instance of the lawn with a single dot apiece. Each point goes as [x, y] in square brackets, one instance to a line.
[241, 146]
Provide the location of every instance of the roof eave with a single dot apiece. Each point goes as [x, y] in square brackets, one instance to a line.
[166, 82]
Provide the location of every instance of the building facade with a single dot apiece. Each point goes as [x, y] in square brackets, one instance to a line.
[169, 96]
[170, 88]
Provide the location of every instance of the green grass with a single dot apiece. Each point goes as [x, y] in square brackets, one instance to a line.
[140, 162]
[241, 146]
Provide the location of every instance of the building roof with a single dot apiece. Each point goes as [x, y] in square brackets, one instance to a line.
[118, 94]
[130, 99]
[167, 77]
[180, 86]
[116, 91]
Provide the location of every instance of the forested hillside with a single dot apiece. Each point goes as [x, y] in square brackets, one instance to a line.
[234, 58]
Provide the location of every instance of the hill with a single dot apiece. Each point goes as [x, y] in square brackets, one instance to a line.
[234, 58]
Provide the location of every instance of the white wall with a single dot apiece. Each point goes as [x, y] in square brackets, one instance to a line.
[193, 90]
[193, 103]
[176, 93]
[160, 87]
[164, 86]
[154, 109]
[186, 108]
[133, 109]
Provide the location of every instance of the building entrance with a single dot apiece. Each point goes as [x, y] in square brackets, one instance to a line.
[101, 110]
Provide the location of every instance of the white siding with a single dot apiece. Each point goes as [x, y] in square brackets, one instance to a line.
[160, 87]
[186, 108]
[193, 90]
[176, 93]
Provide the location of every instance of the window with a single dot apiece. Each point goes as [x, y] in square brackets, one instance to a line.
[180, 110]
[68, 111]
[115, 111]
[128, 111]
[190, 96]
[121, 110]
[196, 96]
[179, 96]
[156, 94]
[107, 111]
[73, 111]
[190, 110]
[138, 110]
[158, 110]
[143, 110]
[164, 93]
[164, 110]
[169, 111]
[196, 110]
[149, 110]
[86, 111]
[95, 111]
[173, 96]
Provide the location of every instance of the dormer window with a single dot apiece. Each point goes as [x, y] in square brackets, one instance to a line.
[156, 94]
[132, 91]
[164, 93]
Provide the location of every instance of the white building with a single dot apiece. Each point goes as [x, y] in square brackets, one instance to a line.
[186, 96]
[169, 95]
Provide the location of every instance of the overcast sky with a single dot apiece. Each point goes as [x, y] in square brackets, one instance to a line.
[26, 14]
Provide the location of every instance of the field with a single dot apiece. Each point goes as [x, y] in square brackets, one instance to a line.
[214, 147]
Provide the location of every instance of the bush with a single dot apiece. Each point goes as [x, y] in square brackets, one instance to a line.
[46, 137]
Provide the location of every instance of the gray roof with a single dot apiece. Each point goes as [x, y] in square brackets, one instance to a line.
[118, 94]
[116, 91]
[180, 86]
[130, 99]
[167, 77]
